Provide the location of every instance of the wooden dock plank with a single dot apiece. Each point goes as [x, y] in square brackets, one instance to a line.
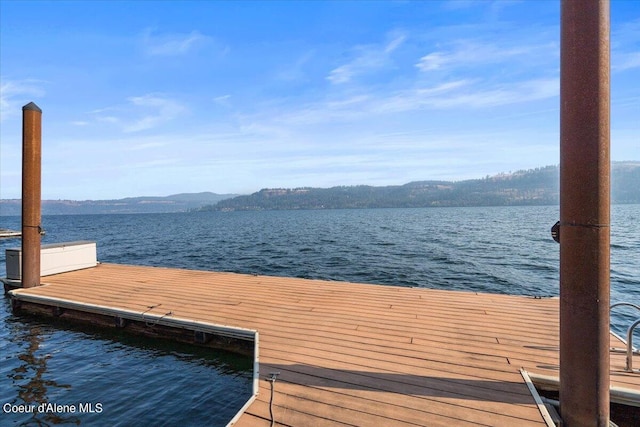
[359, 410]
[355, 354]
[433, 396]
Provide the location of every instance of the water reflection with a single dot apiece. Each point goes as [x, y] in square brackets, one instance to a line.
[29, 379]
[87, 376]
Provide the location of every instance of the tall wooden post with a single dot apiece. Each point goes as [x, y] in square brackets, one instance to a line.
[584, 213]
[31, 193]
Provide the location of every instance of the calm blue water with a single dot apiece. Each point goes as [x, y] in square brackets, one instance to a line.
[500, 250]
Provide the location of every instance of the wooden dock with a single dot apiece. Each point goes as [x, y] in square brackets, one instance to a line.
[354, 354]
[9, 234]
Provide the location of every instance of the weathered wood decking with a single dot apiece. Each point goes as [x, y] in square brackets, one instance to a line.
[353, 354]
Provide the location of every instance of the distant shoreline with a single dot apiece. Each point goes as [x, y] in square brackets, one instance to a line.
[533, 187]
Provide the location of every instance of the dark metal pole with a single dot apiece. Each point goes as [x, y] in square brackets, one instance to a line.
[31, 193]
[584, 213]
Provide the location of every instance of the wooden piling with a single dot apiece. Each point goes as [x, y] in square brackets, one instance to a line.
[584, 213]
[31, 194]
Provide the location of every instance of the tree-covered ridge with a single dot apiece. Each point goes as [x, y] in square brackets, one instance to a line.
[175, 203]
[527, 187]
[538, 186]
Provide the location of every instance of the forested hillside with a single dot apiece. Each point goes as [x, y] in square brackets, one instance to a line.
[538, 186]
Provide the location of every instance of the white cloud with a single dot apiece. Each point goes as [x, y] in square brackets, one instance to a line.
[432, 61]
[469, 54]
[466, 94]
[109, 119]
[417, 98]
[394, 43]
[625, 61]
[162, 110]
[222, 100]
[295, 72]
[16, 93]
[341, 74]
[369, 58]
[462, 94]
[141, 113]
[626, 34]
[507, 94]
[172, 44]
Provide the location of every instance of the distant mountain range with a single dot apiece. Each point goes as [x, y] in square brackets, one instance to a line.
[528, 187]
[175, 203]
[538, 186]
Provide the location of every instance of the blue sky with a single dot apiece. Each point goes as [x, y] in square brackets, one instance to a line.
[157, 98]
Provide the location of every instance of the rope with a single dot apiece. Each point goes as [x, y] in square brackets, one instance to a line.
[149, 308]
[272, 380]
[152, 324]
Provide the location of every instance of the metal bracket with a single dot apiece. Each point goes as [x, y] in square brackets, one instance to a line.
[555, 231]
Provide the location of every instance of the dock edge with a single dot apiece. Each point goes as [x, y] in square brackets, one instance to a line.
[171, 322]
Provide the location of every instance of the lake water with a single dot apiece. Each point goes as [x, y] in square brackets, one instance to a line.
[505, 250]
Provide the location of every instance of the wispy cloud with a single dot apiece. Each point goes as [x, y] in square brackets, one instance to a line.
[15, 93]
[109, 119]
[368, 58]
[626, 34]
[467, 54]
[223, 100]
[507, 94]
[172, 44]
[295, 71]
[161, 109]
[462, 94]
[625, 43]
[625, 61]
[141, 113]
